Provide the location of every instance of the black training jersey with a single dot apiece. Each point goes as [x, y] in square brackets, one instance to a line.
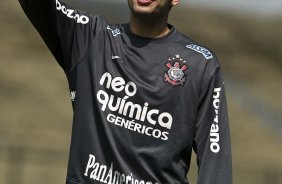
[141, 105]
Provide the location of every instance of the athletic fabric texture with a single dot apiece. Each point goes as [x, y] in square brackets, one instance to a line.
[141, 105]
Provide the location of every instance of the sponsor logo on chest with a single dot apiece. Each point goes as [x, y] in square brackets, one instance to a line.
[130, 115]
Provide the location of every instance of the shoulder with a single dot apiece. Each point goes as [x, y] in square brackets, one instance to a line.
[200, 55]
[197, 48]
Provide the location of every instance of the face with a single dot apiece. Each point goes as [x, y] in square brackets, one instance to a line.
[147, 7]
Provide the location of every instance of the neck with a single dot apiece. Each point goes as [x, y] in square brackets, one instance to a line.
[151, 27]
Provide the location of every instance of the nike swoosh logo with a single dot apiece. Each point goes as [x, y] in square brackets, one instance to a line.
[115, 57]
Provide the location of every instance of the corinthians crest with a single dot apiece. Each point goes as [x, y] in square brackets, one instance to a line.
[175, 74]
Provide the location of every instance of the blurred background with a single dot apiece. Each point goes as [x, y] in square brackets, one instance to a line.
[35, 106]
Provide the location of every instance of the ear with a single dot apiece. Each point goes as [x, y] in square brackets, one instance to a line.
[175, 2]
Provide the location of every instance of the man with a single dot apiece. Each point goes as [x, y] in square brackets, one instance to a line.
[143, 96]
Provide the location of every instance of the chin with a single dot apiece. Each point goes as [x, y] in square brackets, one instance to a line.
[142, 11]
